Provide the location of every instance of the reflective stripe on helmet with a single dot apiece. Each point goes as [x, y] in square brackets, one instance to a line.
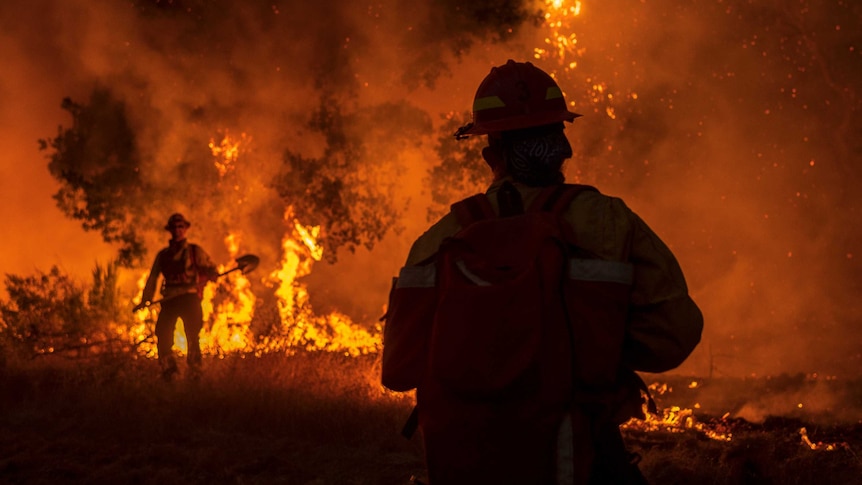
[553, 92]
[489, 102]
[515, 96]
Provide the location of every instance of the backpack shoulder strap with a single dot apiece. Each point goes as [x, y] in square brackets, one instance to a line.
[193, 248]
[556, 199]
[473, 209]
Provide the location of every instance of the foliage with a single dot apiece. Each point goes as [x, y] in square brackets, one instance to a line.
[96, 161]
[44, 311]
[105, 305]
[455, 26]
[461, 171]
[350, 189]
[50, 312]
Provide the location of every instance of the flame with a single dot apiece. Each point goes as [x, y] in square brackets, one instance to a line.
[301, 327]
[231, 320]
[675, 419]
[308, 235]
[140, 334]
[803, 434]
[226, 152]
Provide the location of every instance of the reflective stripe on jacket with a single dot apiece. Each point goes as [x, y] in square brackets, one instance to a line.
[664, 324]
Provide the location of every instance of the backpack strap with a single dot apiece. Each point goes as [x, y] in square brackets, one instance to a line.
[192, 251]
[509, 200]
[473, 209]
[193, 248]
[556, 199]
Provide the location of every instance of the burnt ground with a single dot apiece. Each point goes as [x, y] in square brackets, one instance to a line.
[323, 419]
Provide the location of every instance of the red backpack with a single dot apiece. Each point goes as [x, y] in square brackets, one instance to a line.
[499, 287]
[509, 328]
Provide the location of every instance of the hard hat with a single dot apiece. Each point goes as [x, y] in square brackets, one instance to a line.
[174, 219]
[513, 96]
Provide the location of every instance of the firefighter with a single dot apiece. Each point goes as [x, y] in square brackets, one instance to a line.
[185, 269]
[522, 112]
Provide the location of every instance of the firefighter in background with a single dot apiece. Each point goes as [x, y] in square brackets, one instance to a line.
[185, 269]
[631, 293]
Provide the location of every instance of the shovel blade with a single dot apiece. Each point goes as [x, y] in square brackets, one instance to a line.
[245, 263]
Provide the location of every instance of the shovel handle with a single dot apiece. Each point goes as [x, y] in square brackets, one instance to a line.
[229, 271]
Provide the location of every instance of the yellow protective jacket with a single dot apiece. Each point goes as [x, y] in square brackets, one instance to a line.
[664, 324]
[633, 311]
[185, 268]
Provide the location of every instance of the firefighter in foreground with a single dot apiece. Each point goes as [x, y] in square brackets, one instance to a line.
[522, 315]
[185, 268]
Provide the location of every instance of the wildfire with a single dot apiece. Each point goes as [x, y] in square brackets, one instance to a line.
[677, 420]
[301, 327]
[803, 433]
[561, 46]
[231, 319]
[226, 152]
[562, 42]
[229, 305]
[227, 325]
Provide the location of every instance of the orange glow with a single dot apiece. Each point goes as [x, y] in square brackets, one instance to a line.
[231, 320]
[561, 42]
[675, 419]
[803, 434]
[226, 152]
[227, 323]
[301, 327]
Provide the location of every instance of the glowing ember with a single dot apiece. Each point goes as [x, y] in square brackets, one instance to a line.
[561, 43]
[803, 433]
[677, 420]
[561, 46]
[226, 152]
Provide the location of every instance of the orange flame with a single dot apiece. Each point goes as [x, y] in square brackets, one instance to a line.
[301, 327]
[226, 152]
[675, 419]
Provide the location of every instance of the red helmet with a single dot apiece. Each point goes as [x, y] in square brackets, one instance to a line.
[513, 96]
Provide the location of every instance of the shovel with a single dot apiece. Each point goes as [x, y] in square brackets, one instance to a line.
[245, 263]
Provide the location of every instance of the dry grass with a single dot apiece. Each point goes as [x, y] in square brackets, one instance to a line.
[312, 418]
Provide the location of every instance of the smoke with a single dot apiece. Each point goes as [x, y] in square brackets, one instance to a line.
[739, 150]
[731, 128]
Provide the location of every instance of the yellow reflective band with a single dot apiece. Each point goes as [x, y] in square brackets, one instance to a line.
[488, 102]
[553, 93]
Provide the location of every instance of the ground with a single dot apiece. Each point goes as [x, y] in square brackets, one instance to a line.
[316, 418]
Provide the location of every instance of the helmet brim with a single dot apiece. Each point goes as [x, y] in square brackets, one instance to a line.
[517, 122]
